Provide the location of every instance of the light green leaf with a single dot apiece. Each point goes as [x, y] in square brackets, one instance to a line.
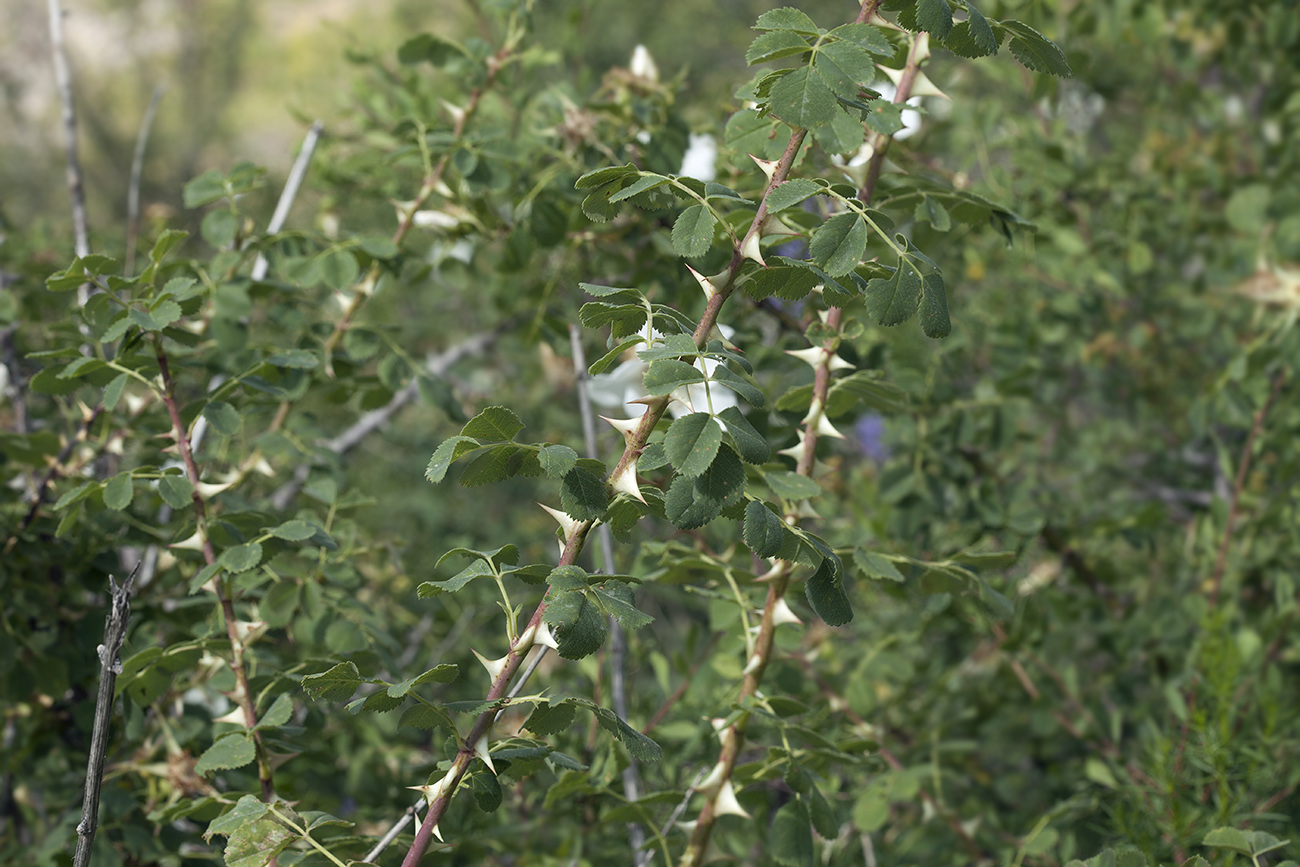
[298, 359]
[865, 36]
[801, 99]
[493, 424]
[241, 558]
[647, 181]
[556, 460]
[278, 714]
[446, 454]
[665, 375]
[693, 232]
[176, 491]
[229, 752]
[223, 417]
[118, 491]
[875, 565]
[792, 486]
[774, 45]
[792, 841]
[219, 228]
[787, 18]
[792, 192]
[839, 244]
[600, 177]
[293, 531]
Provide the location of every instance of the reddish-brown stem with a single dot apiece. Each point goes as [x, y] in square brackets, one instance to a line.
[577, 536]
[221, 588]
[1238, 484]
[430, 183]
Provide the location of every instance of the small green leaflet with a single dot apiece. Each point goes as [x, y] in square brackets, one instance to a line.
[839, 244]
[792, 840]
[792, 486]
[577, 623]
[972, 37]
[764, 529]
[692, 443]
[599, 177]
[893, 300]
[493, 424]
[751, 445]
[615, 598]
[556, 460]
[825, 592]
[445, 454]
[1036, 51]
[934, 16]
[875, 565]
[695, 502]
[787, 18]
[665, 375]
[647, 181]
[844, 68]
[427, 47]
[551, 719]
[774, 45]
[223, 417]
[232, 751]
[801, 99]
[693, 232]
[934, 307]
[278, 714]
[241, 558]
[336, 684]
[118, 491]
[583, 495]
[792, 192]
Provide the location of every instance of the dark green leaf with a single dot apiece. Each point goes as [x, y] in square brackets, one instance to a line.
[750, 443]
[839, 244]
[427, 47]
[647, 181]
[600, 177]
[487, 791]
[293, 531]
[488, 467]
[893, 300]
[583, 495]
[550, 719]
[972, 37]
[577, 623]
[1036, 51]
[844, 67]
[695, 502]
[934, 16]
[296, 359]
[764, 529]
[278, 714]
[934, 307]
[825, 592]
[801, 99]
[792, 192]
[865, 36]
[692, 443]
[615, 598]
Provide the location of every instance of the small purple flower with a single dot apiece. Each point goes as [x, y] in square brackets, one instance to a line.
[870, 431]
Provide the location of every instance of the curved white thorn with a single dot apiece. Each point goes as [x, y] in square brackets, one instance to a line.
[625, 482]
[781, 613]
[751, 250]
[481, 750]
[768, 166]
[566, 522]
[726, 803]
[705, 284]
[493, 666]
